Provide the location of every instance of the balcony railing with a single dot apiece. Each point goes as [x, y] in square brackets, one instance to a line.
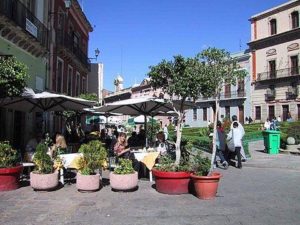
[67, 42]
[225, 96]
[23, 17]
[283, 73]
[270, 95]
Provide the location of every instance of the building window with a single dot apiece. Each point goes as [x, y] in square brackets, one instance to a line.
[271, 112]
[77, 89]
[257, 112]
[272, 69]
[241, 88]
[59, 75]
[69, 81]
[294, 65]
[194, 114]
[227, 112]
[227, 90]
[295, 19]
[204, 114]
[273, 26]
[83, 85]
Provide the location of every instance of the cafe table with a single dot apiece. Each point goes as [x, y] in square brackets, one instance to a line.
[148, 158]
[68, 162]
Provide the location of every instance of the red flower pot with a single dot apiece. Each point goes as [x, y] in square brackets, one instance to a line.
[10, 177]
[172, 183]
[206, 186]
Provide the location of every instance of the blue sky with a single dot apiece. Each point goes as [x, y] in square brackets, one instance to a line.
[134, 34]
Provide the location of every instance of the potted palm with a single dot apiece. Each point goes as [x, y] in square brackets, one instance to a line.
[10, 168]
[205, 182]
[93, 157]
[124, 178]
[45, 177]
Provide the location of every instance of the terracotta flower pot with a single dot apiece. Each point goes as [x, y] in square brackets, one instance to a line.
[87, 182]
[172, 183]
[206, 186]
[10, 177]
[123, 182]
[44, 182]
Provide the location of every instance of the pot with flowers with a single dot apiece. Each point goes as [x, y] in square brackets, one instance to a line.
[205, 182]
[124, 177]
[10, 167]
[93, 158]
[171, 178]
[45, 177]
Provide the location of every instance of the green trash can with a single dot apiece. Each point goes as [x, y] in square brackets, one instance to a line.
[271, 141]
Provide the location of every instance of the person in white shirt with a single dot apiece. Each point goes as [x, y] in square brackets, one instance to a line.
[166, 132]
[267, 124]
[237, 135]
[241, 128]
[279, 119]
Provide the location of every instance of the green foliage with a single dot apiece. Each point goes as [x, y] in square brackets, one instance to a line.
[200, 164]
[166, 163]
[124, 167]
[252, 127]
[94, 157]
[89, 96]
[42, 160]
[8, 155]
[152, 130]
[293, 131]
[13, 76]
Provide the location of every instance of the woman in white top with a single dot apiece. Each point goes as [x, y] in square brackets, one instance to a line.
[267, 124]
[236, 134]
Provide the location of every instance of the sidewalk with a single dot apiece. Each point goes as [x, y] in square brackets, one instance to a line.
[260, 159]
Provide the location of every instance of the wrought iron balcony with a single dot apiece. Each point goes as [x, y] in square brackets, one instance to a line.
[276, 74]
[24, 18]
[292, 93]
[270, 95]
[66, 41]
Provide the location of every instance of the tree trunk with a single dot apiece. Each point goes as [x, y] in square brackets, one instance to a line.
[178, 138]
[214, 149]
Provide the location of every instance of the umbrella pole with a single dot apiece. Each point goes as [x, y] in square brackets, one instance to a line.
[145, 117]
[152, 129]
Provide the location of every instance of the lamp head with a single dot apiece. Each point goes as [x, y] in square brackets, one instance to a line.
[97, 52]
[68, 4]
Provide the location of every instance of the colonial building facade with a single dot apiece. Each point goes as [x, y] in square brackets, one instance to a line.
[275, 48]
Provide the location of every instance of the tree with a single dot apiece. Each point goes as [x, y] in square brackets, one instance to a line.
[89, 96]
[179, 79]
[217, 68]
[13, 76]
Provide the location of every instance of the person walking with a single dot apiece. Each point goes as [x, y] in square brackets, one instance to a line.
[221, 144]
[241, 128]
[236, 135]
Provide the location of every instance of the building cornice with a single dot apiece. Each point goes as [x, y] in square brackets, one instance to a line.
[276, 39]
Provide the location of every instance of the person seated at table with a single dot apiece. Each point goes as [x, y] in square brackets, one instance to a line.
[133, 140]
[162, 145]
[59, 147]
[122, 150]
[31, 145]
[141, 137]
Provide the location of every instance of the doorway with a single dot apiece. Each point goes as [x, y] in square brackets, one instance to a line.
[285, 111]
[241, 114]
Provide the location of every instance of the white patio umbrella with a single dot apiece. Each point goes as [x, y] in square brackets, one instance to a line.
[45, 101]
[140, 106]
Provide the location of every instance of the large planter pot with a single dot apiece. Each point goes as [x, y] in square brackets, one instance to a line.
[206, 186]
[172, 183]
[10, 177]
[123, 182]
[87, 182]
[44, 182]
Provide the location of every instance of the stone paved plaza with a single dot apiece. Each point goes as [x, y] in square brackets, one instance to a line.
[253, 195]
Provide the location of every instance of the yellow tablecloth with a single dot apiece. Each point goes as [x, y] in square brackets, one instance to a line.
[149, 159]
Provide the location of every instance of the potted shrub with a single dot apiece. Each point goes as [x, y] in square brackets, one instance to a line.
[10, 168]
[44, 177]
[124, 178]
[93, 157]
[205, 183]
[171, 178]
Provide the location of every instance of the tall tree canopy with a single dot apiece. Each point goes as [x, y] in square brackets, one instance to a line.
[13, 76]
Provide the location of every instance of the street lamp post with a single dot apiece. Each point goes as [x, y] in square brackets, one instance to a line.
[97, 52]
